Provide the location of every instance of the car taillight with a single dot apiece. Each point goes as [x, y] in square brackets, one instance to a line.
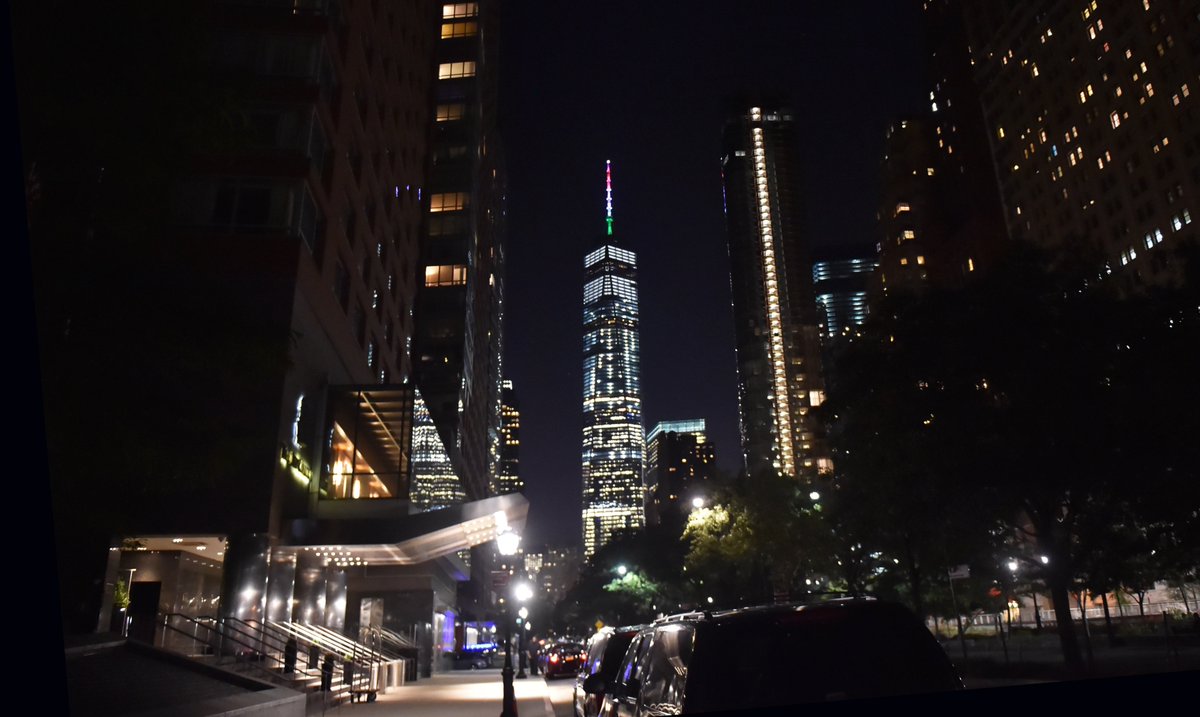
[554, 658]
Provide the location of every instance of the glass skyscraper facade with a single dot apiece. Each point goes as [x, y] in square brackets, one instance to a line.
[613, 438]
[842, 281]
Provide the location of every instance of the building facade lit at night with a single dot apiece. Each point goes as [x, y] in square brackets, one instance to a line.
[680, 460]
[613, 438]
[841, 279]
[776, 323]
[508, 478]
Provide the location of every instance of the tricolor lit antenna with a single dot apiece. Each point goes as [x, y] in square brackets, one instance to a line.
[608, 194]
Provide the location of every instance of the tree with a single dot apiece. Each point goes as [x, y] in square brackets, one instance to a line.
[1037, 398]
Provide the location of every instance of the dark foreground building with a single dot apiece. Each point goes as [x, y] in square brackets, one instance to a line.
[224, 212]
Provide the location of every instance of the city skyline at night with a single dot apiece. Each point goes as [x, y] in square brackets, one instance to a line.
[421, 334]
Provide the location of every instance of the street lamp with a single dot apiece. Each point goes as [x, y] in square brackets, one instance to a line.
[1008, 601]
[507, 542]
[697, 502]
[523, 613]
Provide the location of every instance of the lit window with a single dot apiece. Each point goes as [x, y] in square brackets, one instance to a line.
[970, 264]
[1186, 91]
[1158, 236]
[901, 207]
[903, 261]
[1000, 133]
[1176, 224]
[929, 171]
[1187, 218]
[460, 9]
[1149, 241]
[459, 29]
[920, 259]
[1149, 89]
[451, 70]
[446, 275]
[910, 234]
[447, 113]
[1119, 92]
[448, 202]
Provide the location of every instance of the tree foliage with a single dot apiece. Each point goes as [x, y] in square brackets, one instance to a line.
[1037, 411]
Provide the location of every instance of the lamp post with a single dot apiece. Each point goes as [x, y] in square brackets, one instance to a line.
[523, 613]
[507, 543]
[1012, 568]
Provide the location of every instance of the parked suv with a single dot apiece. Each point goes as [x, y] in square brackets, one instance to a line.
[604, 653]
[778, 655]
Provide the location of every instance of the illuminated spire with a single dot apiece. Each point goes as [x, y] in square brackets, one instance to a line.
[608, 194]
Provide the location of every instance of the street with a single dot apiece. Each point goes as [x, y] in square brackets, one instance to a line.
[475, 693]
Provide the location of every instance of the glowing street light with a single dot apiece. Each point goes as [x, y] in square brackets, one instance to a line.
[507, 542]
[621, 570]
[697, 502]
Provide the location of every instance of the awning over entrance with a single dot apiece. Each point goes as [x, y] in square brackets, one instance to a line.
[381, 533]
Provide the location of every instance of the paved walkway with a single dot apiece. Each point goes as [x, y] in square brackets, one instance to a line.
[476, 693]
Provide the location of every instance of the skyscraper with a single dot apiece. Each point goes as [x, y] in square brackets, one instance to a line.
[613, 438]
[458, 313]
[1091, 111]
[679, 460]
[841, 277]
[778, 342]
[508, 477]
[912, 210]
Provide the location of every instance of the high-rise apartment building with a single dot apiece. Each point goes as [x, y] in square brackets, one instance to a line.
[841, 278]
[971, 218]
[613, 438]
[1091, 111]
[778, 341]
[458, 313]
[508, 479]
[234, 232]
[912, 209]
[680, 463]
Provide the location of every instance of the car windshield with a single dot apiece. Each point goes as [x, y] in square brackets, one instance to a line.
[812, 657]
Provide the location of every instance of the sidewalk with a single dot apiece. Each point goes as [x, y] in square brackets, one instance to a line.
[476, 693]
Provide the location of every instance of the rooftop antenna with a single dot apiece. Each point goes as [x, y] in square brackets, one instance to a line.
[608, 194]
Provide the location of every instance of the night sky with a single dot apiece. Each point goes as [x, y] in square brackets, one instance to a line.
[647, 85]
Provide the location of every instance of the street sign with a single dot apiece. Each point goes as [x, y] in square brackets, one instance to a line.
[959, 572]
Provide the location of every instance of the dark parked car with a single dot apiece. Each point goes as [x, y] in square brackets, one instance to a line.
[472, 660]
[563, 660]
[604, 653]
[778, 655]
